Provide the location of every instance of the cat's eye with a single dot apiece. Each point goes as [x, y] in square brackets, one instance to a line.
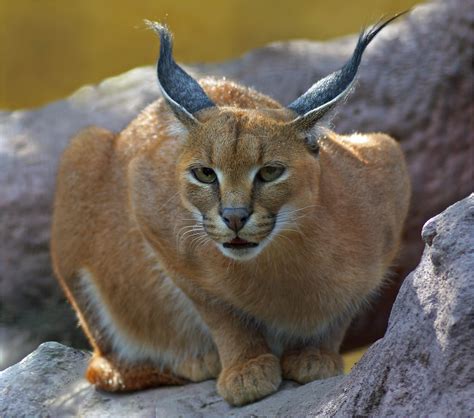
[204, 174]
[270, 172]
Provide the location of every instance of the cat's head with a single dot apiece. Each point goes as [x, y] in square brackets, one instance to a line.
[247, 174]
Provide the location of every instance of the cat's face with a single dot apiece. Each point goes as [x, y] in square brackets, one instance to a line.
[245, 177]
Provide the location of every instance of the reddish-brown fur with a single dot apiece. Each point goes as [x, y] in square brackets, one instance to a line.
[160, 305]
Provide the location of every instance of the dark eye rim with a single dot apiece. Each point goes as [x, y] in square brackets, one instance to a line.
[194, 169]
[280, 167]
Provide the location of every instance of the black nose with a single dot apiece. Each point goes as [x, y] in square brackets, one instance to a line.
[235, 218]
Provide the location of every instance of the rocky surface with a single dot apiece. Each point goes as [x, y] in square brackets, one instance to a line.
[424, 366]
[50, 382]
[415, 83]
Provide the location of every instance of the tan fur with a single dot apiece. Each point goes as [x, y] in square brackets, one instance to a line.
[152, 287]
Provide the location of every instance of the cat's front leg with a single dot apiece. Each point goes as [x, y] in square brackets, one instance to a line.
[250, 379]
[249, 370]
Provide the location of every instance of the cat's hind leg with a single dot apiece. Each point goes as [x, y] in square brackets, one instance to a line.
[318, 359]
[107, 370]
[310, 363]
[112, 375]
[198, 369]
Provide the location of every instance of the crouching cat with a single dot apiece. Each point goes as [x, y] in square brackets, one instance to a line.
[221, 235]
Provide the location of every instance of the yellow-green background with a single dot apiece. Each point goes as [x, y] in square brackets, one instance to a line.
[49, 48]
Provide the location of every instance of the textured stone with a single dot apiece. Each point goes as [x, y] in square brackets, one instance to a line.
[424, 366]
[49, 382]
[415, 83]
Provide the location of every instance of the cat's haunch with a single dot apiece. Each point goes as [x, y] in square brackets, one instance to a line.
[222, 235]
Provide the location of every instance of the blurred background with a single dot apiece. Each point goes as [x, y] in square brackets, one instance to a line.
[49, 48]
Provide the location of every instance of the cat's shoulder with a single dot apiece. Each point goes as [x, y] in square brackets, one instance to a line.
[83, 177]
[373, 149]
[88, 152]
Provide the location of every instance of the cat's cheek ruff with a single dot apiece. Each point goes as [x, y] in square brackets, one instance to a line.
[195, 212]
[186, 199]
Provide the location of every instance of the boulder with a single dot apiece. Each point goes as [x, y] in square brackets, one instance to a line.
[415, 83]
[49, 382]
[424, 366]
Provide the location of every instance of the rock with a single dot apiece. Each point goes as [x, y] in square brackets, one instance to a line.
[415, 83]
[424, 366]
[50, 382]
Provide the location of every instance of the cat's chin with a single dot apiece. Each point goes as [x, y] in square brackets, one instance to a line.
[241, 254]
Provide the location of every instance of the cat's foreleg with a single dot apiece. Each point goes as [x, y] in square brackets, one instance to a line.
[249, 369]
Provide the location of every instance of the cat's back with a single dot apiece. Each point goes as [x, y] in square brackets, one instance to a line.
[84, 170]
[368, 164]
[81, 191]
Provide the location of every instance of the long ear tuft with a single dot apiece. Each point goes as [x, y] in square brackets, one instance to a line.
[327, 92]
[182, 92]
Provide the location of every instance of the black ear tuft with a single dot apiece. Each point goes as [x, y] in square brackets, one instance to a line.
[327, 92]
[182, 92]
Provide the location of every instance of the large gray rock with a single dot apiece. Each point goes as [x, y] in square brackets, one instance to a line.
[415, 83]
[424, 366]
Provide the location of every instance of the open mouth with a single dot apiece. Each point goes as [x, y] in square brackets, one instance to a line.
[239, 243]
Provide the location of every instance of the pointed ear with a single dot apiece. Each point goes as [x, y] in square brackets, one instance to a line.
[183, 93]
[329, 91]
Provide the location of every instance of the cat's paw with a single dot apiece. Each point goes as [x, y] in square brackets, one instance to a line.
[310, 364]
[197, 369]
[250, 381]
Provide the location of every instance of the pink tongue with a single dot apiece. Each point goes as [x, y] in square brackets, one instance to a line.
[237, 241]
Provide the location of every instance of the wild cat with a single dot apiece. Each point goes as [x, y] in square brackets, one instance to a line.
[222, 235]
